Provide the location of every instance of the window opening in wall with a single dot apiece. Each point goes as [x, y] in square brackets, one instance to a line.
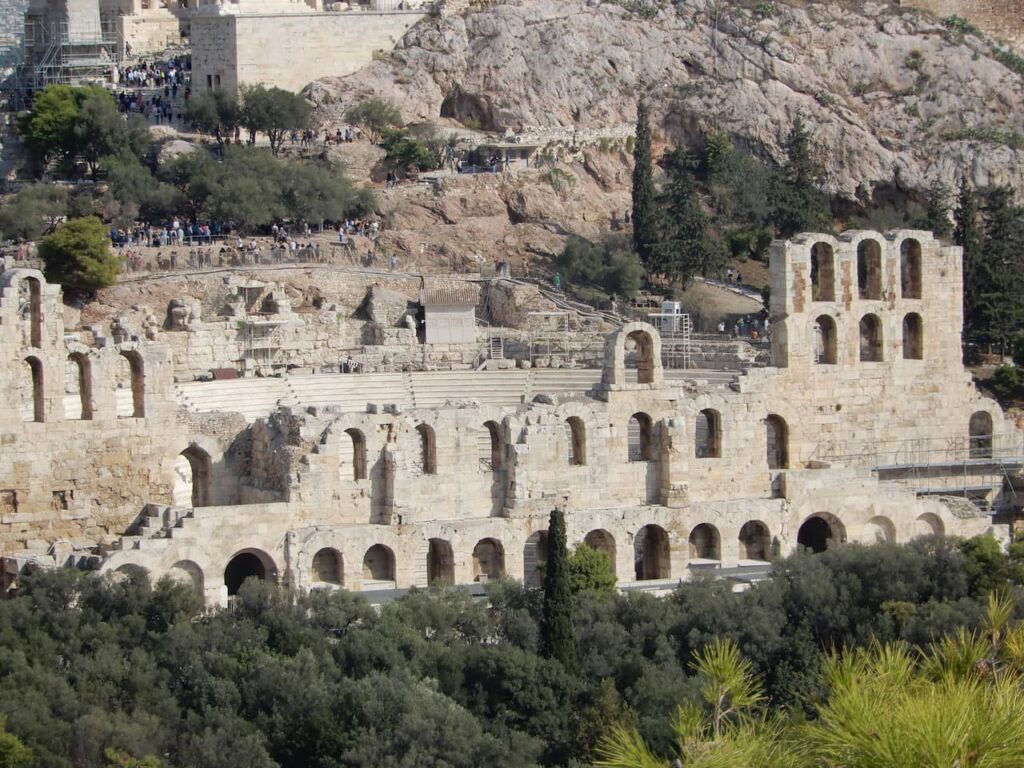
[193, 479]
[870, 339]
[869, 269]
[823, 275]
[640, 438]
[980, 435]
[913, 337]
[651, 553]
[440, 563]
[378, 565]
[488, 560]
[778, 442]
[535, 556]
[242, 566]
[489, 453]
[34, 310]
[327, 567]
[357, 453]
[428, 449]
[576, 439]
[910, 269]
[602, 541]
[818, 533]
[705, 543]
[640, 348]
[708, 435]
[825, 341]
[35, 408]
[78, 387]
[130, 376]
[755, 541]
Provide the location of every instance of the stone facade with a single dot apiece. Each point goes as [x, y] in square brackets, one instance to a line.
[289, 49]
[863, 429]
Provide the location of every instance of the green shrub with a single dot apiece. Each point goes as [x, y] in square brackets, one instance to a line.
[78, 255]
[1006, 382]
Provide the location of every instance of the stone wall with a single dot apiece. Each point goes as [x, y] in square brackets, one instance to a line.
[290, 50]
[1003, 19]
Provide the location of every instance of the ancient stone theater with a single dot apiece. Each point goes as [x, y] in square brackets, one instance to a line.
[864, 427]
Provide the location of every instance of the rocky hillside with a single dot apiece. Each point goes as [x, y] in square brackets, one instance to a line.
[893, 96]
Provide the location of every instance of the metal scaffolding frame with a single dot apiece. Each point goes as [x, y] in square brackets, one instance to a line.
[56, 52]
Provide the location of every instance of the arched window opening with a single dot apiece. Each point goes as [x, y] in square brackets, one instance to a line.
[913, 337]
[32, 309]
[823, 273]
[33, 405]
[870, 339]
[705, 543]
[188, 573]
[826, 347]
[777, 442]
[576, 437]
[879, 530]
[602, 541]
[327, 567]
[929, 524]
[869, 269]
[488, 560]
[640, 438]
[820, 532]
[535, 556]
[192, 472]
[980, 435]
[755, 541]
[440, 564]
[640, 355]
[709, 435]
[378, 567]
[130, 376]
[247, 565]
[427, 459]
[651, 553]
[489, 447]
[78, 387]
[910, 269]
[356, 445]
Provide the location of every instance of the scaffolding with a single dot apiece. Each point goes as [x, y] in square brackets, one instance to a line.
[70, 53]
[985, 469]
[676, 330]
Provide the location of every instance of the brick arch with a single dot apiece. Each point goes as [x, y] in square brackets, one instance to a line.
[614, 371]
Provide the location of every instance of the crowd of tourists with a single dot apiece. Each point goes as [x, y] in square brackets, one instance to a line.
[170, 79]
[175, 232]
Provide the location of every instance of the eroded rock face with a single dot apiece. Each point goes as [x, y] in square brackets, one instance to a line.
[889, 95]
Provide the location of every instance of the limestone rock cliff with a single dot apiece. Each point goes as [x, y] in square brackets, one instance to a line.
[891, 95]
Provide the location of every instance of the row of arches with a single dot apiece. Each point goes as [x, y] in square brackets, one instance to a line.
[871, 341]
[78, 377]
[869, 270]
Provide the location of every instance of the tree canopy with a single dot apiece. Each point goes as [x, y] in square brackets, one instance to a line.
[374, 116]
[78, 255]
[273, 111]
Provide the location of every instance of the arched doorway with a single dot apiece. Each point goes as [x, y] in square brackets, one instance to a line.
[245, 565]
[913, 337]
[32, 307]
[440, 563]
[910, 269]
[708, 433]
[535, 555]
[192, 471]
[488, 560]
[130, 379]
[826, 346]
[378, 567]
[33, 405]
[870, 339]
[777, 442]
[189, 573]
[354, 453]
[576, 439]
[640, 438]
[979, 430]
[651, 553]
[602, 541]
[78, 387]
[705, 543]
[879, 530]
[489, 448]
[755, 541]
[929, 524]
[820, 532]
[327, 567]
[823, 273]
[426, 460]
[640, 355]
[869, 269]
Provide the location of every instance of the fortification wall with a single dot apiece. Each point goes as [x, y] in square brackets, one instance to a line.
[290, 50]
[1003, 19]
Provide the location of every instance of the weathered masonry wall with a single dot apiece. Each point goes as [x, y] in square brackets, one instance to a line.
[290, 50]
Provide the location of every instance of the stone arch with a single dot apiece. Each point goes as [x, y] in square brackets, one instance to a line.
[35, 311]
[929, 524]
[777, 441]
[602, 541]
[826, 340]
[188, 572]
[426, 460]
[576, 439]
[870, 339]
[193, 471]
[440, 563]
[490, 447]
[821, 531]
[823, 272]
[327, 567]
[708, 433]
[879, 530]
[136, 379]
[705, 543]
[378, 566]
[910, 269]
[248, 563]
[979, 435]
[755, 541]
[488, 560]
[355, 452]
[645, 342]
[34, 409]
[869, 269]
[78, 381]
[913, 337]
[640, 438]
[651, 553]
[535, 555]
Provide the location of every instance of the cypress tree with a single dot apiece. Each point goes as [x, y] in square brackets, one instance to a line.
[1003, 296]
[558, 638]
[645, 230]
[800, 203]
[967, 234]
[936, 216]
